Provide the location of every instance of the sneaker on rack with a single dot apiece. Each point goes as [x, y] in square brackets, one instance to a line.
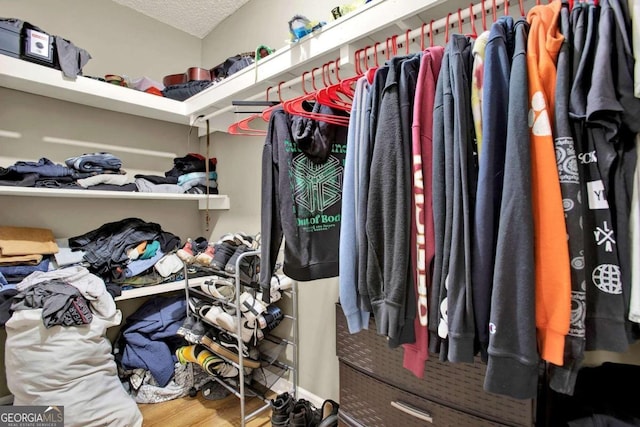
[249, 331]
[186, 326]
[210, 362]
[186, 252]
[222, 252]
[252, 242]
[199, 306]
[250, 306]
[249, 265]
[227, 346]
[204, 258]
[281, 407]
[220, 288]
[270, 318]
[196, 333]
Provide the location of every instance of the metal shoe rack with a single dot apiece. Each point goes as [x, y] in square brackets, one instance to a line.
[242, 390]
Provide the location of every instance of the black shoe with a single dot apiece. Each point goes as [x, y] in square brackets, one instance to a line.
[281, 407]
[270, 318]
[329, 414]
[304, 414]
[249, 265]
[222, 252]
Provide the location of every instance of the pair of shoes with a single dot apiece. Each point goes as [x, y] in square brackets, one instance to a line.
[192, 330]
[211, 363]
[304, 414]
[220, 288]
[191, 249]
[286, 411]
[224, 318]
[227, 251]
[278, 284]
[227, 346]
[198, 306]
[266, 316]
[204, 258]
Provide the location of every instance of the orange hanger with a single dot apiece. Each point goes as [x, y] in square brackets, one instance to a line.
[506, 7]
[521, 4]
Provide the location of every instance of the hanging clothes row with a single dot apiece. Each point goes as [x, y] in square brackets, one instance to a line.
[488, 194]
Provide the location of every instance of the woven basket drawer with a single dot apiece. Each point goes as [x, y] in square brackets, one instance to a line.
[458, 385]
[368, 401]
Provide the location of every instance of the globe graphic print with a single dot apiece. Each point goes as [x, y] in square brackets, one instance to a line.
[606, 277]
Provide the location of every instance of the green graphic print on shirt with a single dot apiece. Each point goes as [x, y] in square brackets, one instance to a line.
[316, 189]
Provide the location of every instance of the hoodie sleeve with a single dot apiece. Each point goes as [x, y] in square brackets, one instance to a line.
[271, 228]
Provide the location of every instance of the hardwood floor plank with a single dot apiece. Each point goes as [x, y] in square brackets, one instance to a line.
[199, 412]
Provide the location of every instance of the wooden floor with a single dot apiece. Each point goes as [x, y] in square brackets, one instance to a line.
[199, 412]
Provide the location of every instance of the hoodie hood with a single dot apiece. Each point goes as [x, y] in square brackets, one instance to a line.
[315, 138]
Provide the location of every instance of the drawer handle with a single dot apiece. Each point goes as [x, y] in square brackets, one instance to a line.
[412, 410]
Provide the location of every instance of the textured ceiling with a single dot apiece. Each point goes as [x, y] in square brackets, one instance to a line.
[195, 17]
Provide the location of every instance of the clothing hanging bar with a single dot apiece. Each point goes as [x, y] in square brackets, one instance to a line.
[433, 27]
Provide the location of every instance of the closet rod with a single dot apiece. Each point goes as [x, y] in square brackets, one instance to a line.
[434, 26]
[441, 24]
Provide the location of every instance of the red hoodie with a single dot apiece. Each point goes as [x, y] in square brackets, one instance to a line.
[422, 234]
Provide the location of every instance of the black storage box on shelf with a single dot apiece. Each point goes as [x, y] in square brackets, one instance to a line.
[38, 46]
[10, 35]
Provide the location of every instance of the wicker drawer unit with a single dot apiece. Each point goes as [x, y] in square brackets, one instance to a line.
[374, 403]
[457, 386]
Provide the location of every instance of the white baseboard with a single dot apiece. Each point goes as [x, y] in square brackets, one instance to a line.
[282, 384]
[6, 400]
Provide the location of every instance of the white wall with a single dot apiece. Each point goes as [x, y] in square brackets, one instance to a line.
[120, 40]
[260, 22]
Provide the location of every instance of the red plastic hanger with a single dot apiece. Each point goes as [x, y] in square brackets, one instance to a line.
[446, 31]
[266, 114]
[333, 94]
[472, 19]
[522, 11]
[244, 126]
[431, 33]
[300, 105]
[494, 11]
[484, 17]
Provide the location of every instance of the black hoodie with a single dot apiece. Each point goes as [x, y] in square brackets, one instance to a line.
[302, 172]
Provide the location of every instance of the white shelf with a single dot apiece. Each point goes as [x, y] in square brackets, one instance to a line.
[216, 201]
[40, 80]
[144, 291]
[338, 39]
